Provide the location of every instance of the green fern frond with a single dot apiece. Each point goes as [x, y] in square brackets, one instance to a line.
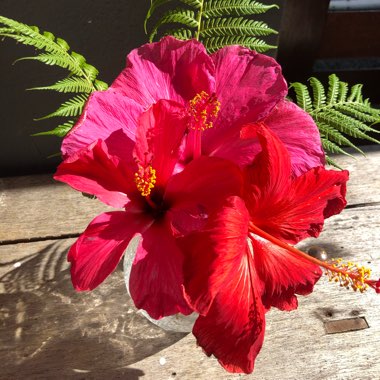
[185, 17]
[215, 43]
[218, 8]
[340, 115]
[81, 78]
[181, 34]
[54, 60]
[319, 95]
[72, 84]
[216, 23]
[303, 98]
[233, 27]
[61, 130]
[70, 108]
[335, 136]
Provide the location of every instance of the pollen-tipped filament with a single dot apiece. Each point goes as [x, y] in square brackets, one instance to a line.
[203, 110]
[347, 274]
[145, 180]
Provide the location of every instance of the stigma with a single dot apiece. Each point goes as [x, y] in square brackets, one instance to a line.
[203, 110]
[145, 179]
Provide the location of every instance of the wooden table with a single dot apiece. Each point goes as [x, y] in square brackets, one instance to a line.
[48, 331]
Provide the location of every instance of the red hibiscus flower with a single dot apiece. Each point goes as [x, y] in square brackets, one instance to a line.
[220, 93]
[241, 264]
[138, 176]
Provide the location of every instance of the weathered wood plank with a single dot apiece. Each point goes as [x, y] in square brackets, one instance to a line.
[364, 183]
[36, 207]
[48, 330]
[297, 345]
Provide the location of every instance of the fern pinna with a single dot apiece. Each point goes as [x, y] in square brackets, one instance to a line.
[216, 23]
[81, 79]
[340, 113]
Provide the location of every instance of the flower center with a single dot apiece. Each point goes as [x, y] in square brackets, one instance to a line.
[203, 110]
[145, 179]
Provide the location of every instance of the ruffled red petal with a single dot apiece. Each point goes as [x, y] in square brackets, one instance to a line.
[94, 170]
[212, 253]
[221, 284]
[283, 273]
[156, 279]
[159, 135]
[290, 209]
[99, 249]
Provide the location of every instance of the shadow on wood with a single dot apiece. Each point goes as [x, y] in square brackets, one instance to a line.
[50, 330]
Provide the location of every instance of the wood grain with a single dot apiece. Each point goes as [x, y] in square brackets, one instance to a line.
[37, 207]
[48, 330]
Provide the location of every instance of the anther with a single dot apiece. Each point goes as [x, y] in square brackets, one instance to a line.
[203, 110]
[145, 180]
[349, 275]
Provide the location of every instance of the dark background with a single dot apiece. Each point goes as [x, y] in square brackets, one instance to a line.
[313, 41]
[103, 31]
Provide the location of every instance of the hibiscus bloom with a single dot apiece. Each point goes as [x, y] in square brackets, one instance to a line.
[220, 92]
[241, 264]
[157, 204]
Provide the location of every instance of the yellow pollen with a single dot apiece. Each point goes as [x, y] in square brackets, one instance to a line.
[349, 275]
[203, 110]
[145, 180]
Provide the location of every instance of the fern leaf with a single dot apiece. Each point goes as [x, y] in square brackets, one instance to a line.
[356, 93]
[330, 162]
[333, 89]
[81, 79]
[100, 85]
[335, 136]
[343, 91]
[181, 16]
[214, 43]
[197, 4]
[216, 23]
[338, 116]
[181, 34]
[153, 6]
[61, 130]
[302, 96]
[359, 112]
[72, 84]
[218, 8]
[54, 60]
[234, 26]
[329, 146]
[70, 108]
[345, 124]
[319, 94]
